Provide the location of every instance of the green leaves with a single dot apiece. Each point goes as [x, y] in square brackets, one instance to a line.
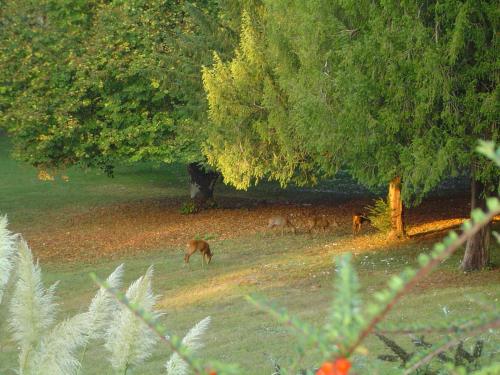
[380, 215]
[101, 82]
[487, 148]
[252, 134]
[318, 85]
[346, 310]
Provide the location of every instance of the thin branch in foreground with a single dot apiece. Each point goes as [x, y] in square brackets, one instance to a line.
[421, 273]
[442, 348]
[284, 318]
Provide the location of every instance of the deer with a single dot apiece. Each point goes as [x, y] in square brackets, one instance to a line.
[320, 222]
[358, 219]
[198, 245]
[281, 222]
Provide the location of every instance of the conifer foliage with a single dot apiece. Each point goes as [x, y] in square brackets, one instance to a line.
[396, 92]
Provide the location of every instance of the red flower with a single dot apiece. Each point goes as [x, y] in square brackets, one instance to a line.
[326, 369]
[212, 373]
[341, 366]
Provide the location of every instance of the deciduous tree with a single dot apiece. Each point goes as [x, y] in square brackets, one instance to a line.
[95, 83]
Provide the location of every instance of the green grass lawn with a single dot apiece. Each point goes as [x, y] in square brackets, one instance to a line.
[26, 199]
[295, 272]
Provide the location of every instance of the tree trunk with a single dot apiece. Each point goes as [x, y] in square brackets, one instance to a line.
[202, 183]
[477, 254]
[398, 230]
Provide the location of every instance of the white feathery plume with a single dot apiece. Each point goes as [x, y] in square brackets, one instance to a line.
[103, 306]
[7, 240]
[56, 350]
[192, 341]
[128, 339]
[32, 308]
[55, 354]
[101, 310]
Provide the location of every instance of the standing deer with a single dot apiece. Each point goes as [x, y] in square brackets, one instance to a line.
[320, 222]
[280, 222]
[198, 245]
[358, 220]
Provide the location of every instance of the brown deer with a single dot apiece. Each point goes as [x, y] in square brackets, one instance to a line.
[281, 222]
[358, 220]
[198, 245]
[320, 222]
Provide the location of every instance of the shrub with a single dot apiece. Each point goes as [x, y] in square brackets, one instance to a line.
[380, 215]
[189, 208]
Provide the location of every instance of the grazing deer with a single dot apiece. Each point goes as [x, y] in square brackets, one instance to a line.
[320, 222]
[198, 245]
[357, 221]
[280, 222]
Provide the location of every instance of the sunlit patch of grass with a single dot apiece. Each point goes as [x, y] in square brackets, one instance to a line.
[215, 288]
[435, 226]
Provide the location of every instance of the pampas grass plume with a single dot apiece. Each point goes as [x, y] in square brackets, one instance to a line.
[128, 338]
[55, 354]
[32, 307]
[103, 306]
[192, 341]
[7, 241]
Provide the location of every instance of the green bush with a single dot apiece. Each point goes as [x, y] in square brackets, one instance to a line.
[189, 208]
[380, 215]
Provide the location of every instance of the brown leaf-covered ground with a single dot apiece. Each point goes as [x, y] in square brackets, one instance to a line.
[146, 226]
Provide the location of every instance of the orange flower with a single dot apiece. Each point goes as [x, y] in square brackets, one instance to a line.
[341, 366]
[326, 369]
[212, 373]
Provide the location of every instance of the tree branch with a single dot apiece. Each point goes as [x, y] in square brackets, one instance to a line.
[442, 348]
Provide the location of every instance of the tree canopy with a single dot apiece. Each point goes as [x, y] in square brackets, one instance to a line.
[95, 82]
[250, 137]
[367, 85]
[385, 89]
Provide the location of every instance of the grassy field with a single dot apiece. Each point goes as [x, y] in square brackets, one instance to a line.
[295, 272]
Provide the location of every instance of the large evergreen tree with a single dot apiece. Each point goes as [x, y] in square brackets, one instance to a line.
[346, 85]
[386, 79]
[467, 34]
[250, 137]
[399, 92]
